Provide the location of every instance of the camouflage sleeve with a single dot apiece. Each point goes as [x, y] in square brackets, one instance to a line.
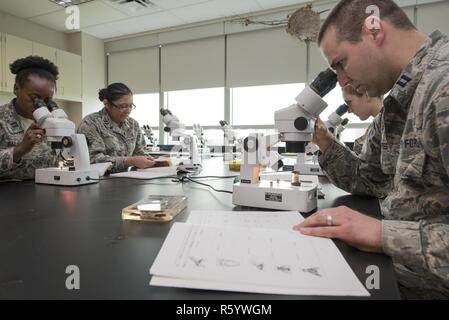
[6, 161]
[97, 147]
[140, 142]
[442, 127]
[421, 246]
[6, 158]
[358, 174]
[358, 144]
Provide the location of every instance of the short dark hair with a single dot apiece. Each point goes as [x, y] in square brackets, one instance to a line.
[114, 92]
[348, 17]
[33, 65]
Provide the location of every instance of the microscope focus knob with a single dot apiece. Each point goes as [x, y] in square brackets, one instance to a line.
[301, 123]
[67, 142]
[251, 144]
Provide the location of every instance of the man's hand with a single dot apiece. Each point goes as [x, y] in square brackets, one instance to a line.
[350, 226]
[34, 135]
[140, 162]
[321, 136]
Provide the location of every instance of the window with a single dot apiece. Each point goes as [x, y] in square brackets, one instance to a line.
[147, 109]
[256, 105]
[203, 106]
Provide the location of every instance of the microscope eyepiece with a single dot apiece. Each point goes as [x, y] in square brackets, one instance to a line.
[39, 103]
[341, 110]
[51, 105]
[324, 82]
[164, 112]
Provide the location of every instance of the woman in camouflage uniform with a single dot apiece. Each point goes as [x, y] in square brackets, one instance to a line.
[23, 147]
[112, 135]
[363, 107]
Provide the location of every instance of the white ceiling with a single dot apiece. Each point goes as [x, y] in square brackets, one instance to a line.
[104, 19]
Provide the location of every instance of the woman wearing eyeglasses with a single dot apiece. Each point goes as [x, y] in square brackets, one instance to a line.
[112, 135]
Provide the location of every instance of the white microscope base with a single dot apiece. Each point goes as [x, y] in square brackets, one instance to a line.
[309, 168]
[63, 177]
[287, 176]
[279, 196]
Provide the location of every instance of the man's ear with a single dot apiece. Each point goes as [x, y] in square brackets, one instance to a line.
[374, 29]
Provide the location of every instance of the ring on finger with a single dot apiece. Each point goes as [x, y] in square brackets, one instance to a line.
[329, 220]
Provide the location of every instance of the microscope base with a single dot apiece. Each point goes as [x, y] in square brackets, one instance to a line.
[309, 168]
[276, 195]
[287, 176]
[64, 177]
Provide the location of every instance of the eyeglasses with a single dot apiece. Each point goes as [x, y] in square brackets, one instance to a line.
[132, 106]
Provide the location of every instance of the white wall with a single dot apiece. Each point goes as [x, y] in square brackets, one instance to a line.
[433, 16]
[94, 72]
[25, 29]
[5, 98]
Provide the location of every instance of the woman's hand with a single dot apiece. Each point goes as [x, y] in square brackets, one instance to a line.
[33, 136]
[140, 162]
[321, 136]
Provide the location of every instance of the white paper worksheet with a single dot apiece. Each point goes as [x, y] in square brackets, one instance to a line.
[252, 260]
[283, 220]
[150, 173]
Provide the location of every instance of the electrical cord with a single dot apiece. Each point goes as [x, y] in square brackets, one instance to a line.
[183, 179]
[147, 179]
[213, 177]
[177, 179]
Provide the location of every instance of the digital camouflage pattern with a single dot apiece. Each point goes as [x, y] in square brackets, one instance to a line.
[11, 135]
[108, 142]
[358, 143]
[409, 149]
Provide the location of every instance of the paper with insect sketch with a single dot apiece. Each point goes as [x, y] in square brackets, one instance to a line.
[261, 260]
[252, 219]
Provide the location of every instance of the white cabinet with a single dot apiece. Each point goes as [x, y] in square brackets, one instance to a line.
[2, 65]
[70, 76]
[69, 84]
[44, 51]
[14, 48]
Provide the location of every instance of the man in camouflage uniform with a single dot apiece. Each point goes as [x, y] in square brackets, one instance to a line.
[109, 142]
[12, 133]
[409, 145]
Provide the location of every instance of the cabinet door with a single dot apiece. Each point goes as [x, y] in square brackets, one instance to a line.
[2, 63]
[70, 78]
[44, 51]
[15, 48]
